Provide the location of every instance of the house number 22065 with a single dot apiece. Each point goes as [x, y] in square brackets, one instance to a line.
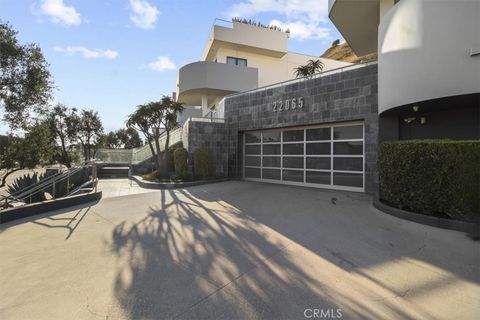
[289, 104]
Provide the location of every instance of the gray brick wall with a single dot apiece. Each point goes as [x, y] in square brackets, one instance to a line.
[346, 96]
[211, 136]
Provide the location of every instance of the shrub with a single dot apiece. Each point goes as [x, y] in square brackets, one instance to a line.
[180, 158]
[202, 164]
[433, 177]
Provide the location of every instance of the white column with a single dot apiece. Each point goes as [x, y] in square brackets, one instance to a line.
[204, 105]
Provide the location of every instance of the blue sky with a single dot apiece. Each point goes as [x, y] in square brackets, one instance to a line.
[111, 55]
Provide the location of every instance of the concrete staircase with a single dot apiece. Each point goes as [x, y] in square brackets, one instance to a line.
[113, 170]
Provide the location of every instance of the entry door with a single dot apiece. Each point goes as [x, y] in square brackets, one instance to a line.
[325, 156]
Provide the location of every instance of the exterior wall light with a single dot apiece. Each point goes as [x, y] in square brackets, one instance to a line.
[415, 108]
[409, 119]
[423, 120]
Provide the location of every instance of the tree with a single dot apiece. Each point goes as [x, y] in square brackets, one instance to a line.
[61, 120]
[123, 138]
[25, 81]
[335, 43]
[312, 67]
[35, 148]
[152, 119]
[87, 129]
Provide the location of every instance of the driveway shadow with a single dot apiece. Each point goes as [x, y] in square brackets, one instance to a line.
[252, 251]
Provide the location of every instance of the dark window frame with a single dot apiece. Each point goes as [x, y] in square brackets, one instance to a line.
[237, 60]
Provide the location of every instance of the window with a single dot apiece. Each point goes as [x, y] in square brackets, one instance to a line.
[237, 61]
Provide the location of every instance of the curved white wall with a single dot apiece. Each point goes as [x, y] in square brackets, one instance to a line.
[424, 51]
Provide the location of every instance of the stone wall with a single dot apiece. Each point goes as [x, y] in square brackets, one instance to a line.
[211, 136]
[344, 96]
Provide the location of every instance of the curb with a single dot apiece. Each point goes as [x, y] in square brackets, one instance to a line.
[463, 226]
[172, 185]
[33, 209]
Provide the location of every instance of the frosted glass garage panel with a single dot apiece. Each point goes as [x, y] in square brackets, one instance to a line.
[325, 156]
[252, 173]
[348, 132]
[348, 179]
[253, 137]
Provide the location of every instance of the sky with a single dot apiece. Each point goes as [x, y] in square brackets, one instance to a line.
[112, 55]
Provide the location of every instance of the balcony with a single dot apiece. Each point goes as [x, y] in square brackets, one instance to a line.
[241, 36]
[357, 21]
[213, 81]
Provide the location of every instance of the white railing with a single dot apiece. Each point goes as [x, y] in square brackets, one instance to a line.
[207, 119]
[143, 153]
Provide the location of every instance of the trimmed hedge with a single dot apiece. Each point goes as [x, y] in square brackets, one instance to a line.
[180, 158]
[202, 164]
[433, 177]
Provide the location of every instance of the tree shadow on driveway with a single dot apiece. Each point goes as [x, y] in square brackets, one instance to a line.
[245, 250]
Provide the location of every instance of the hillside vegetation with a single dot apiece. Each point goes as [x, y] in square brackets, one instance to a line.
[343, 52]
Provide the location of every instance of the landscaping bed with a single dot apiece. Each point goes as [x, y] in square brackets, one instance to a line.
[437, 178]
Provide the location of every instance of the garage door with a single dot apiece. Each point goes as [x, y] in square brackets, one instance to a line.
[319, 156]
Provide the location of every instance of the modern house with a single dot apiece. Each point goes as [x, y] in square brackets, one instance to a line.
[428, 63]
[240, 56]
[323, 131]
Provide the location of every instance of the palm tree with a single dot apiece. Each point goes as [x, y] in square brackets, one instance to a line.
[312, 67]
[152, 119]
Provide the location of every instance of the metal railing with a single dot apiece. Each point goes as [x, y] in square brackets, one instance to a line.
[207, 119]
[144, 153]
[51, 183]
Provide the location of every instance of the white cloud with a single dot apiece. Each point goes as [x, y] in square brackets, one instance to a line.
[162, 63]
[144, 14]
[306, 19]
[60, 13]
[87, 53]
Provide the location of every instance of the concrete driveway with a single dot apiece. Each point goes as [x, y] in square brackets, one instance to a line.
[235, 250]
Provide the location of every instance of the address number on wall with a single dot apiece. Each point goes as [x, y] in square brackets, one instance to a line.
[289, 104]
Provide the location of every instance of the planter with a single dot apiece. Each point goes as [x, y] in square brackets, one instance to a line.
[472, 228]
[172, 185]
[33, 209]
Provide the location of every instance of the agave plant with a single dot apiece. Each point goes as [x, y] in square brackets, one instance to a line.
[25, 181]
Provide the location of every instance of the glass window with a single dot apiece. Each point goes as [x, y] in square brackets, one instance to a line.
[273, 174]
[252, 161]
[318, 148]
[252, 137]
[271, 162]
[318, 163]
[271, 136]
[293, 162]
[293, 175]
[252, 173]
[348, 132]
[252, 149]
[348, 148]
[293, 135]
[318, 134]
[318, 177]
[232, 60]
[348, 179]
[293, 148]
[348, 164]
[237, 61]
[271, 149]
[242, 62]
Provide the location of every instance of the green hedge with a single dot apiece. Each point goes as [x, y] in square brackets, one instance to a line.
[433, 177]
[202, 164]
[180, 158]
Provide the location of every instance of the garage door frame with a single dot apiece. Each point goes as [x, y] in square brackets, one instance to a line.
[282, 143]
